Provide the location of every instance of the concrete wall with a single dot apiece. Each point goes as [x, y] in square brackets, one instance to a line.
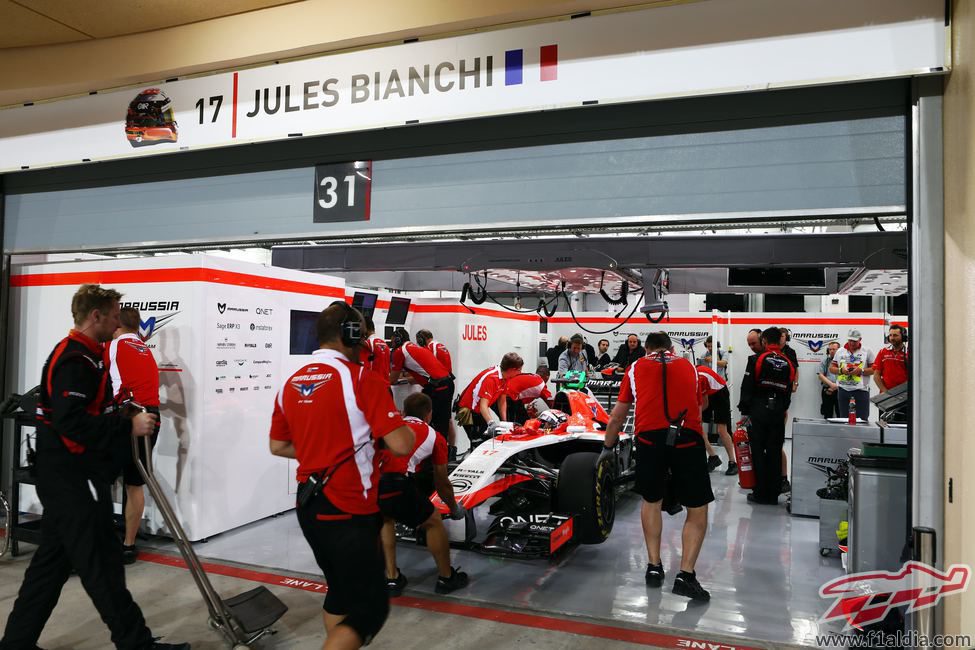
[959, 144]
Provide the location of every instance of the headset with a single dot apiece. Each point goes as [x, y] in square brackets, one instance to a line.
[400, 338]
[902, 329]
[422, 340]
[351, 326]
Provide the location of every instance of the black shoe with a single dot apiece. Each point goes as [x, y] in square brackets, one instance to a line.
[129, 554]
[714, 462]
[786, 486]
[686, 584]
[732, 469]
[760, 501]
[395, 586]
[457, 580]
[655, 575]
[170, 646]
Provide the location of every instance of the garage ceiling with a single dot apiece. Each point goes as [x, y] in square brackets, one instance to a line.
[25, 23]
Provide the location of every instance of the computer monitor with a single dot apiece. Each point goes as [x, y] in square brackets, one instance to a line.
[398, 309]
[304, 331]
[365, 303]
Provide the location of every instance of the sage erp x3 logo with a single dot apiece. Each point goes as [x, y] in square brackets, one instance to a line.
[307, 385]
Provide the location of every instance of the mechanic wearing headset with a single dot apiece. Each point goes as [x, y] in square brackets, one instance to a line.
[80, 449]
[663, 388]
[425, 369]
[334, 435]
[134, 375]
[401, 502]
[374, 352]
[474, 404]
[524, 389]
[440, 351]
[890, 364]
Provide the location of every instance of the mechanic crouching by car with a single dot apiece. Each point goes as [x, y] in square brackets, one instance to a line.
[330, 415]
[474, 403]
[401, 502]
[80, 452]
[670, 442]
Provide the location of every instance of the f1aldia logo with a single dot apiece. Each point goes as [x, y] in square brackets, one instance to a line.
[860, 599]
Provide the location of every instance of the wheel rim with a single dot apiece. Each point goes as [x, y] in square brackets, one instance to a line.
[606, 498]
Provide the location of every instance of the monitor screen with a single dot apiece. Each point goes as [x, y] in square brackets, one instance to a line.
[365, 303]
[398, 309]
[304, 334]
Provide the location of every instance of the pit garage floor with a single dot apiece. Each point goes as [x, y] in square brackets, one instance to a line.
[762, 566]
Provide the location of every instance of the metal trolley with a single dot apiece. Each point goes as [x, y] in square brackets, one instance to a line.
[243, 619]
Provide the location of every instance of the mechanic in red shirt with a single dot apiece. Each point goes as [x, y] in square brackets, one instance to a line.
[474, 404]
[890, 364]
[134, 375]
[524, 389]
[400, 500]
[330, 416]
[663, 389]
[425, 369]
[425, 338]
[374, 353]
[716, 400]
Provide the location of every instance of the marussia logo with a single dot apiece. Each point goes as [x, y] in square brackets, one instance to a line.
[688, 344]
[306, 385]
[149, 327]
[814, 342]
[811, 344]
[221, 307]
[860, 599]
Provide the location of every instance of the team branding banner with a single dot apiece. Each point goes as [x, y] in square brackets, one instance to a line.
[681, 50]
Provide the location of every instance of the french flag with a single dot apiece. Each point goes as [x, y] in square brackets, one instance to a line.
[514, 65]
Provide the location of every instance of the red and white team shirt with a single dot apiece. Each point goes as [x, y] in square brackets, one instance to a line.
[527, 387]
[419, 362]
[133, 370]
[375, 356]
[643, 385]
[442, 354]
[329, 410]
[709, 382]
[489, 384]
[891, 365]
[428, 444]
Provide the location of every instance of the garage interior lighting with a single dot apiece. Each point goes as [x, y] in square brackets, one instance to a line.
[874, 282]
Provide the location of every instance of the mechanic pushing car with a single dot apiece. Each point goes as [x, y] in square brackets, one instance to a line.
[401, 502]
[525, 388]
[330, 416]
[423, 367]
[670, 442]
[474, 404]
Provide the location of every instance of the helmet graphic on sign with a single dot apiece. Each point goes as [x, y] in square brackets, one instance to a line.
[150, 119]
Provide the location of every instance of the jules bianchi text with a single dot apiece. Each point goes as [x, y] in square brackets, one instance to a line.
[879, 639]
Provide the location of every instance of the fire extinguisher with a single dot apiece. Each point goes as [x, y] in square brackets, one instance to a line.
[743, 456]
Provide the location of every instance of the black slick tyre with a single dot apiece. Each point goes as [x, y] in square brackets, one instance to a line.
[585, 490]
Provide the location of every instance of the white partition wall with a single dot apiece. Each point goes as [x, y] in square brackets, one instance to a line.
[219, 330]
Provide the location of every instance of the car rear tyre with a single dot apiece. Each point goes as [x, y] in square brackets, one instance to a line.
[585, 490]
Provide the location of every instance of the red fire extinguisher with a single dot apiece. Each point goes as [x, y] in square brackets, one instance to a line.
[743, 456]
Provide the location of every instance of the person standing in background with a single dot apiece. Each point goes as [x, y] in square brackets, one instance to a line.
[853, 367]
[553, 353]
[827, 378]
[134, 375]
[574, 357]
[890, 366]
[629, 352]
[375, 353]
[602, 355]
[721, 366]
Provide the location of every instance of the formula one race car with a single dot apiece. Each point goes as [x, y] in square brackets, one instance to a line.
[542, 481]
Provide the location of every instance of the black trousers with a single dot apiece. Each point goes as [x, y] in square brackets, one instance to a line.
[77, 531]
[442, 397]
[766, 436]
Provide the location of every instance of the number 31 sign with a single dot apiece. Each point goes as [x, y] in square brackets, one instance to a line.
[343, 191]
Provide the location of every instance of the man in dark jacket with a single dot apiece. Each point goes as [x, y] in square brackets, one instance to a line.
[80, 451]
[629, 352]
[553, 353]
[766, 392]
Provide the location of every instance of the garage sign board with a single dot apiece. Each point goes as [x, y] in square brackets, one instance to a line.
[682, 50]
